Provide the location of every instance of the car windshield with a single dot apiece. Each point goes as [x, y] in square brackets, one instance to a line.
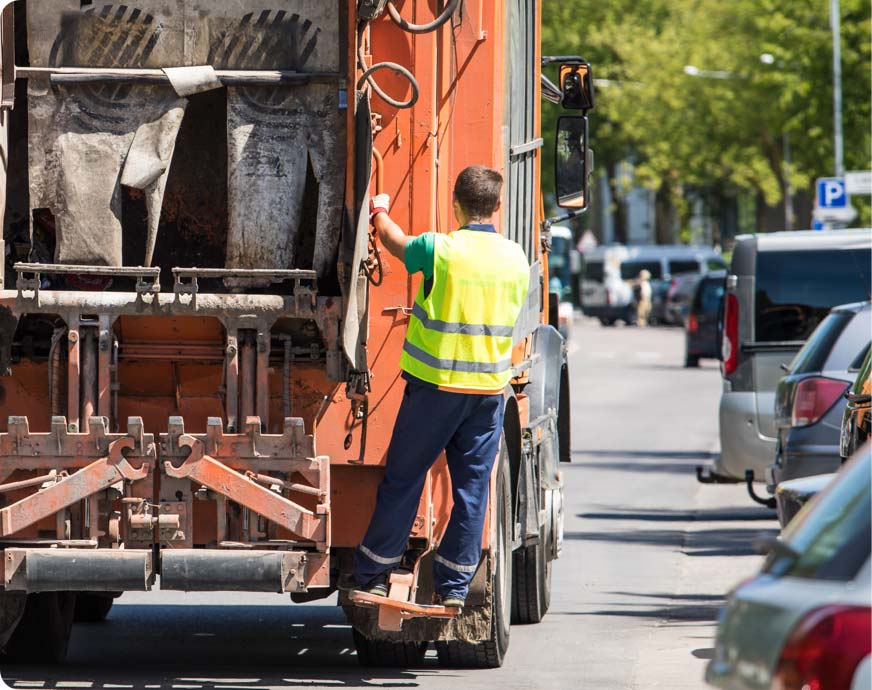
[630, 269]
[832, 534]
[709, 297]
[593, 270]
[796, 289]
[679, 266]
[816, 349]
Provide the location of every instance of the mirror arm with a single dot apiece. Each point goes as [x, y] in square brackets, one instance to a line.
[550, 91]
[546, 224]
[569, 59]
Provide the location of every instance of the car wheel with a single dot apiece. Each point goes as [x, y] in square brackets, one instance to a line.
[691, 361]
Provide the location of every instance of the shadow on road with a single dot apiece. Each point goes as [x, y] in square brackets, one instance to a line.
[680, 613]
[668, 515]
[214, 647]
[711, 542]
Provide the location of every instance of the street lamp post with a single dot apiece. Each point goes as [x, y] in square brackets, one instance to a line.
[838, 141]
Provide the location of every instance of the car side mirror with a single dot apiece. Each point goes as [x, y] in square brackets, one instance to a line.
[576, 84]
[573, 162]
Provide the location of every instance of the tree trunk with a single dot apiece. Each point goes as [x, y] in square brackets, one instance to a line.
[619, 207]
[664, 215]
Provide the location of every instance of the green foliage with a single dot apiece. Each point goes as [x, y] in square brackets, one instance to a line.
[704, 132]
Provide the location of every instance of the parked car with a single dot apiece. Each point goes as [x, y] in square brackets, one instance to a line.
[809, 400]
[806, 620]
[857, 418]
[561, 259]
[702, 335]
[793, 494]
[606, 293]
[781, 285]
[678, 298]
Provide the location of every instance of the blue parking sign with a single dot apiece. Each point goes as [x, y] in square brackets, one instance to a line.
[831, 192]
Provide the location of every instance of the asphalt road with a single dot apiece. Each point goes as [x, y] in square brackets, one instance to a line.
[647, 558]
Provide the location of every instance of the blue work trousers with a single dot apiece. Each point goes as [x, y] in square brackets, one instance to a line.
[467, 427]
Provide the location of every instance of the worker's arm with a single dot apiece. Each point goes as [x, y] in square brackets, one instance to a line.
[391, 235]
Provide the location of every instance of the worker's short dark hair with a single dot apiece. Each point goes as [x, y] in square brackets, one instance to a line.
[477, 190]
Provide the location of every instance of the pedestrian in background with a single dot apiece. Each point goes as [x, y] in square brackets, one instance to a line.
[642, 289]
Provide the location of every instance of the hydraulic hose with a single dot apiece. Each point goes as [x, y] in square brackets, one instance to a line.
[422, 28]
[366, 77]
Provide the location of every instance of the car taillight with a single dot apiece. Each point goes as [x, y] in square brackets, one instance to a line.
[730, 344]
[608, 297]
[823, 651]
[692, 323]
[813, 397]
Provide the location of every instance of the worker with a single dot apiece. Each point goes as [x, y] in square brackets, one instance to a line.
[456, 363]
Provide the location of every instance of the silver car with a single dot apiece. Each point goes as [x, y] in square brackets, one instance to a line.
[781, 285]
[810, 399]
[806, 620]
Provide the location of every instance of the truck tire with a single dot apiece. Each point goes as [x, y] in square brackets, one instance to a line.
[491, 652]
[93, 608]
[11, 610]
[531, 590]
[373, 653]
[43, 634]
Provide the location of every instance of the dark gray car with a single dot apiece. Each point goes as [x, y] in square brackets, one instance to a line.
[809, 401]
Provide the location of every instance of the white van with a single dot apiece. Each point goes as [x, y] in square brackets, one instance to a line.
[605, 290]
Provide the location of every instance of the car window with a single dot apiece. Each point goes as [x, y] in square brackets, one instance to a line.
[683, 267]
[814, 353]
[795, 290]
[593, 270]
[710, 295]
[630, 269]
[832, 536]
[861, 362]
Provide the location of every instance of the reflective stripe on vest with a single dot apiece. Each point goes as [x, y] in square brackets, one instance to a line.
[460, 334]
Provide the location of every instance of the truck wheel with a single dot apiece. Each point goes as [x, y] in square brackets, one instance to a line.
[491, 652]
[11, 610]
[606, 321]
[531, 591]
[93, 608]
[43, 634]
[386, 654]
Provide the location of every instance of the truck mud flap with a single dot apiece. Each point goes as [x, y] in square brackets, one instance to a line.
[83, 570]
[199, 570]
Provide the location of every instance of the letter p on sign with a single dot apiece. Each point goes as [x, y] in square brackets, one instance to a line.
[831, 193]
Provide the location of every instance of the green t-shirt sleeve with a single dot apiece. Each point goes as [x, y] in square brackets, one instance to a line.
[419, 254]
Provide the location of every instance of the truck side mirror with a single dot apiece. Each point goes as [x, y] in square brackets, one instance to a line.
[572, 162]
[577, 86]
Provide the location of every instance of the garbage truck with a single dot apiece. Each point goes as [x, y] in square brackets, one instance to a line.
[199, 333]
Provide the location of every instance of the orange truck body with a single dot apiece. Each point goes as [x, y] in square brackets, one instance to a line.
[226, 435]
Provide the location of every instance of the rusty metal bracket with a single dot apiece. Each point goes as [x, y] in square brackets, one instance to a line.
[30, 275]
[96, 476]
[218, 477]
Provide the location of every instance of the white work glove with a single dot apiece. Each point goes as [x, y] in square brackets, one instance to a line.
[378, 204]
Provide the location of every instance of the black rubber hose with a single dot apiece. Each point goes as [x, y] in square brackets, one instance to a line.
[366, 77]
[422, 28]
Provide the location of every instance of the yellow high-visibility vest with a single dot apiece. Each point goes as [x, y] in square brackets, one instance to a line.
[460, 334]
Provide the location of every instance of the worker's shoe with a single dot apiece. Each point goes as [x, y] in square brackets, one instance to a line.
[449, 601]
[378, 586]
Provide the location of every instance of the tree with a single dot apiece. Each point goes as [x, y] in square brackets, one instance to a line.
[722, 129]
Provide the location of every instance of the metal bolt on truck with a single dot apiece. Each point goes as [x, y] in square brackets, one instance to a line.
[199, 335]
